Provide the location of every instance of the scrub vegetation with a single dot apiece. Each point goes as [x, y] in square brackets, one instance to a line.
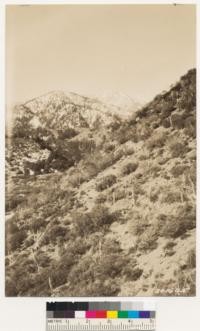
[97, 205]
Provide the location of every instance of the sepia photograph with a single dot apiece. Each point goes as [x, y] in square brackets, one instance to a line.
[100, 150]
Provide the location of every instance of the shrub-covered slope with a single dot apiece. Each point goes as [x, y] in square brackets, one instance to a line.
[108, 209]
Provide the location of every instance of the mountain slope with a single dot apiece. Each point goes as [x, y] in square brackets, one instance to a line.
[42, 124]
[118, 217]
[58, 110]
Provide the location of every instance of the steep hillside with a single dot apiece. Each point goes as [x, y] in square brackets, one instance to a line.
[107, 209]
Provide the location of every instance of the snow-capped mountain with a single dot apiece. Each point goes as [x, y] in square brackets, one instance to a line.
[125, 104]
[59, 110]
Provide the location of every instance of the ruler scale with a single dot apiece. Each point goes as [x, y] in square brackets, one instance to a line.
[100, 316]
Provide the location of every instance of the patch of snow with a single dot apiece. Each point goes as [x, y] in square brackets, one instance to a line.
[35, 122]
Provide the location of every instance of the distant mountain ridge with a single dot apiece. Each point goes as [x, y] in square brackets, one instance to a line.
[45, 119]
[59, 110]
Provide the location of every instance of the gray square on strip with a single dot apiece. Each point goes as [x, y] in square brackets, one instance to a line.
[152, 314]
[113, 305]
[126, 305]
[103, 305]
[94, 305]
[49, 314]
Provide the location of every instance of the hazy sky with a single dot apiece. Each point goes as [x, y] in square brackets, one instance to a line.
[139, 50]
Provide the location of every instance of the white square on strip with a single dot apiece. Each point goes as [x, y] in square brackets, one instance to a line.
[149, 305]
[80, 314]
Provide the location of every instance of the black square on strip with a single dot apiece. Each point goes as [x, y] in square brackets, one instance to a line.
[50, 306]
[81, 306]
[64, 306]
[68, 306]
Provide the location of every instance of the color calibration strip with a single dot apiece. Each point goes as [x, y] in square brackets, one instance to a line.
[99, 316]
